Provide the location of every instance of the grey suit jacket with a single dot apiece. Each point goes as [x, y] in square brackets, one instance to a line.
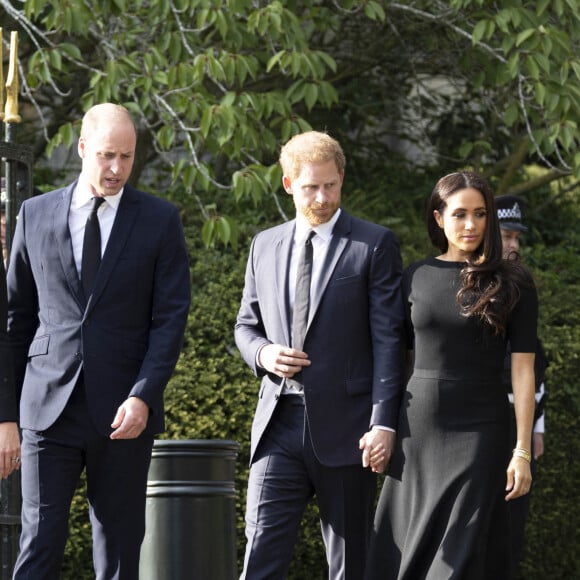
[127, 338]
[354, 336]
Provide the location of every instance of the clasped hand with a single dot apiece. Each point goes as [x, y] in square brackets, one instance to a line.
[377, 447]
[282, 361]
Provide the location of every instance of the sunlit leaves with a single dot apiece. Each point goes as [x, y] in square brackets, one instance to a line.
[542, 66]
[220, 84]
[219, 228]
[64, 136]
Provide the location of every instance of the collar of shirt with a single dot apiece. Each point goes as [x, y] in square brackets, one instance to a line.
[323, 230]
[82, 197]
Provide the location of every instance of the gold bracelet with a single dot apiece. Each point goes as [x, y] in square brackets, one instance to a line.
[523, 453]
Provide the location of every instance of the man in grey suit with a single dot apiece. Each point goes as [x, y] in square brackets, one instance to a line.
[95, 336]
[331, 364]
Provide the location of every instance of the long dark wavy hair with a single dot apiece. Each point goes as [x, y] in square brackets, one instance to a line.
[490, 285]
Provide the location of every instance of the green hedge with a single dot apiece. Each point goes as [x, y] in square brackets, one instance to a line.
[213, 394]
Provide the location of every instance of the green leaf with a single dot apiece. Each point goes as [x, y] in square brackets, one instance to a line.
[222, 23]
[541, 6]
[564, 70]
[166, 137]
[552, 101]
[71, 50]
[513, 64]
[543, 61]
[540, 92]
[208, 233]
[67, 134]
[511, 114]
[275, 60]
[328, 60]
[223, 230]
[465, 150]
[374, 11]
[310, 95]
[523, 36]
[532, 67]
[55, 58]
[206, 121]
[478, 32]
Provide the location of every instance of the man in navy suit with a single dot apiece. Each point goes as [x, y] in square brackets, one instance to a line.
[93, 363]
[324, 401]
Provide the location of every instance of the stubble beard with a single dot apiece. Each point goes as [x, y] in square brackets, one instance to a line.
[314, 218]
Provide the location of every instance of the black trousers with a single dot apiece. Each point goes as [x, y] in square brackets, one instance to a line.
[284, 476]
[116, 474]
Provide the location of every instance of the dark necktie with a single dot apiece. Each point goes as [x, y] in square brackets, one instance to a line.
[91, 249]
[302, 293]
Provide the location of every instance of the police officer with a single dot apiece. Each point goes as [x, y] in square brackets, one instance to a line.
[509, 211]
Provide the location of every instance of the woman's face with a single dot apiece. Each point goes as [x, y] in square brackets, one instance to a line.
[463, 221]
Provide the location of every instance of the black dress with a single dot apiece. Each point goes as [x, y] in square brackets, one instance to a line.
[442, 512]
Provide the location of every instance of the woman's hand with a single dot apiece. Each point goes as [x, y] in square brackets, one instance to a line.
[519, 478]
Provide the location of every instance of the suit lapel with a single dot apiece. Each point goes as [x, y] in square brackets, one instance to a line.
[282, 253]
[64, 243]
[122, 228]
[338, 243]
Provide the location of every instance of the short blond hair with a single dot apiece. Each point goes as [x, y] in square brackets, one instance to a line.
[310, 147]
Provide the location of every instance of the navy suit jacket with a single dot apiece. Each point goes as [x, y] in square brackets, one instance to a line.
[126, 339]
[353, 337]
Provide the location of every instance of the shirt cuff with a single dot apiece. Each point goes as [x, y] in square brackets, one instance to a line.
[383, 428]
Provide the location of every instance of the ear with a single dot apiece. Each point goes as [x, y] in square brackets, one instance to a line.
[287, 183]
[438, 218]
[81, 147]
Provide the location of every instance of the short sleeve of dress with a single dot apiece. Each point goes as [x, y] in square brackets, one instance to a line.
[523, 321]
[409, 333]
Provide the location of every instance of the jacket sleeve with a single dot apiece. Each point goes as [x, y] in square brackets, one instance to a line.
[8, 394]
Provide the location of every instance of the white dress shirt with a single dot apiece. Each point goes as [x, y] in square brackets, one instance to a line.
[80, 209]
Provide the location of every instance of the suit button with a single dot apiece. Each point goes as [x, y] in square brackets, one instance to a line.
[78, 355]
[86, 323]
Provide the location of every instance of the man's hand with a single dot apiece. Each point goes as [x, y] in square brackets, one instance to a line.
[377, 447]
[282, 361]
[131, 419]
[9, 448]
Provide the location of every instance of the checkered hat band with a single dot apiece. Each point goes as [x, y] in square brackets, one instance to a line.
[510, 213]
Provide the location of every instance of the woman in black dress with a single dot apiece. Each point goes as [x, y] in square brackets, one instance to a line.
[442, 510]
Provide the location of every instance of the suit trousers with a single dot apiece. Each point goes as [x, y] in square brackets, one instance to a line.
[116, 475]
[284, 476]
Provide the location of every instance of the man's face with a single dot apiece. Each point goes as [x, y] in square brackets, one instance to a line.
[107, 154]
[316, 191]
[510, 241]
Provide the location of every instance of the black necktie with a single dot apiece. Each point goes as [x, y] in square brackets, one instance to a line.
[91, 249]
[302, 293]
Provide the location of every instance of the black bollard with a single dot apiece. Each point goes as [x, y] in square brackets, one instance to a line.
[10, 502]
[190, 512]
